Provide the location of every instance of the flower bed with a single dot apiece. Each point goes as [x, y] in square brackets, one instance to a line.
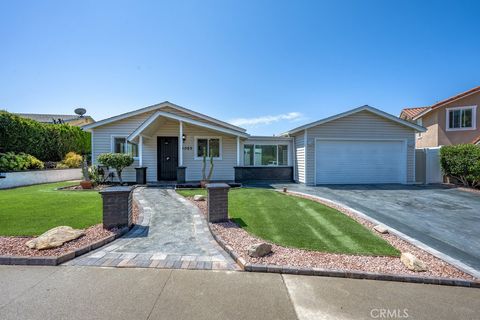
[240, 240]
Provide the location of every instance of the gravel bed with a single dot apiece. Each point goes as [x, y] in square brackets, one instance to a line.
[240, 240]
[15, 246]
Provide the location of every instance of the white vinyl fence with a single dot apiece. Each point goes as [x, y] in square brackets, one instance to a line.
[427, 165]
[26, 178]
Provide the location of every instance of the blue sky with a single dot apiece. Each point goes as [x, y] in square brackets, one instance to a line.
[274, 64]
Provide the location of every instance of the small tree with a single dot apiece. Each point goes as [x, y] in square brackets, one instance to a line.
[462, 162]
[118, 161]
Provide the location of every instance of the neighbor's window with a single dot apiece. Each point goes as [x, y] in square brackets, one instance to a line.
[461, 118]
[208, 146]
[265, 155]
[120, 145]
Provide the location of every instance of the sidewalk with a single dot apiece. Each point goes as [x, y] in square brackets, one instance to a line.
[146, 293]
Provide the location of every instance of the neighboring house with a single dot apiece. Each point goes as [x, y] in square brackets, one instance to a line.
[73, 120]
[450, 121]
[364, 145]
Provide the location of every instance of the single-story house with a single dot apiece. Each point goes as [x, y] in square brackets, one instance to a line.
[363, 145]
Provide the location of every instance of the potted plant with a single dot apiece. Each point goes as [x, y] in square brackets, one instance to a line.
[206, 178]
[86, 183]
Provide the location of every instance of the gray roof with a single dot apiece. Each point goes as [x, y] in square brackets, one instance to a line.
[48, 118]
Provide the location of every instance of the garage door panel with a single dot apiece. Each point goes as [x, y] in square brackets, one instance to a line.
[359, 161]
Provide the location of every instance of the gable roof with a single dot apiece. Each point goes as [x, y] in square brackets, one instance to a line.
[410, 113]
[446, 101]
[50, 118]
[168, 115]
[159, 106]
[356, 110]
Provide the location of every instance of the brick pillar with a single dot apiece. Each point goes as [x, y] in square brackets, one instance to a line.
[117, 207]
[217, 202]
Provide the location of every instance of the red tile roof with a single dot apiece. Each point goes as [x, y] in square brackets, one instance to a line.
[410, 113]
[413, 112]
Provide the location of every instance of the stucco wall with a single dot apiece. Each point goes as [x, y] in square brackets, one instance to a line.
[26, 178]
[436, 123]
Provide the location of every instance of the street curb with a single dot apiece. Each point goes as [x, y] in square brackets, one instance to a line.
[53, 261]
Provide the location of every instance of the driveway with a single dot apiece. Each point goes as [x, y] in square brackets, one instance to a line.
[445, 219]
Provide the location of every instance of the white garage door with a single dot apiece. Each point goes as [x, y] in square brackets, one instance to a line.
[360, 161]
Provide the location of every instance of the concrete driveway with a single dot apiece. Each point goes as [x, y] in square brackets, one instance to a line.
[445, 219]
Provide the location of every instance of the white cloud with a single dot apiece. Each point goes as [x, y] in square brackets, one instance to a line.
[266, 120]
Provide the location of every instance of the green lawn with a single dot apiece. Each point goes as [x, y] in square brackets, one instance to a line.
[301, 223]
[29, 211]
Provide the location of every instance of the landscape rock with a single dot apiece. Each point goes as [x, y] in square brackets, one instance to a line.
[54, 238]
[412, 262]
[199, 197]
[259, 250]
[380, 229]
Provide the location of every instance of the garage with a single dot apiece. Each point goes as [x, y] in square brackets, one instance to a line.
[360, 161]
[364, 145]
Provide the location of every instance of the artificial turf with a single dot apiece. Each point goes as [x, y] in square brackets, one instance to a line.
[29, 211]
[300, 223]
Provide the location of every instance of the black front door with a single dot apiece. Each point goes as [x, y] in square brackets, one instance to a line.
[167, 158]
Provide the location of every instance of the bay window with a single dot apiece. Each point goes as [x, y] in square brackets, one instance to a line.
[265, 155]
[461, 118]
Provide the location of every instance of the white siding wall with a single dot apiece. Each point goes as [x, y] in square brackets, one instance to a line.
[223, 169]
[300, 157]
[361, 125]
[102, 139]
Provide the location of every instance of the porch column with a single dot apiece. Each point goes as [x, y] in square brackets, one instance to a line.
[180, 146]
[238, 151]
[140, 151]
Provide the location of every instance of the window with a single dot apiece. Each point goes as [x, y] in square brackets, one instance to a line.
[120, 145]
[265, 155]
[461, 118]
[209, 146]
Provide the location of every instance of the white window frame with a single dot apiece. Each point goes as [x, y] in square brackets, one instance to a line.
[420, 123]
[195, 145]
[266, 144]
[112, 144]
[474, 118]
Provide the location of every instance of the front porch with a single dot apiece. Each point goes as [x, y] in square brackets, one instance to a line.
[171, 149]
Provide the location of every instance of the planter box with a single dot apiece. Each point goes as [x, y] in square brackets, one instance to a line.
[26, 178]
[244, 174]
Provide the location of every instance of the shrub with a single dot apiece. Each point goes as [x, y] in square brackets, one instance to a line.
[462, 162]
[17, 162]
[49, 142]
[97, 175]
[72, 160]
[118, 161]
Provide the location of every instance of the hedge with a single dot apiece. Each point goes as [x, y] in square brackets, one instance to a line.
[47, 142]
[462, 162]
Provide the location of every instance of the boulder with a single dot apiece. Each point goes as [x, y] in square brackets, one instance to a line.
[380, 229]
[412, 262]
[54, 238]
[199, 197]
[259, 250]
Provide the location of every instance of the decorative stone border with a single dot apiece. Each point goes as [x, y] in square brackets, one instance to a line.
[52, 260]
[251, 267]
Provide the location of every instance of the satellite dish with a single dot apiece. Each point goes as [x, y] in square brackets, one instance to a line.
[80, 111]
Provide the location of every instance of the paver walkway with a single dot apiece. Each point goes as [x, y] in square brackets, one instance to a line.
[171, 233]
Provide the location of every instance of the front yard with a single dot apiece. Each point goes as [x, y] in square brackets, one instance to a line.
[30, 211]
[300, 223]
